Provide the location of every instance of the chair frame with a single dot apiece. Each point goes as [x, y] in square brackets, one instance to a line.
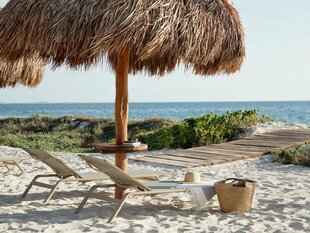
[120, 203]
[143, 189]
[54, 186]
[69, 175]
[12, 162]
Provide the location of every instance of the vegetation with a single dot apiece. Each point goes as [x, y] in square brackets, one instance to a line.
[203, 130]
[75, 134]
[79, 134]
[299, 155]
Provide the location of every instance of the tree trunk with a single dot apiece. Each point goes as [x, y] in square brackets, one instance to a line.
[121, 112]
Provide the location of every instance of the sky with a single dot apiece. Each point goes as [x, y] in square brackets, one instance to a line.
[276, 68]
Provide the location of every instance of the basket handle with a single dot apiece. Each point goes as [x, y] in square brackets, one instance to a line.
[233, 179]
[241, 182]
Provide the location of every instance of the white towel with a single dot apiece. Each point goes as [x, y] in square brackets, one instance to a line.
[201, 193]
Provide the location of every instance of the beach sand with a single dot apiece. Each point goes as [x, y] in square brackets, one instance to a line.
[281, 202]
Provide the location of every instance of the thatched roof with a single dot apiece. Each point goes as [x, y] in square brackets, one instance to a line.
[28, 72]
[206, 35]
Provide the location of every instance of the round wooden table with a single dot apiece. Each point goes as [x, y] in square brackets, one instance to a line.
[107, 148]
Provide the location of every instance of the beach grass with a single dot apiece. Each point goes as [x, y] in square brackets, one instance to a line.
[78, 134]
[71, 134]
[298, 155]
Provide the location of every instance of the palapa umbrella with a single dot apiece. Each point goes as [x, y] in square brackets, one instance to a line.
[151, 36]
[26, 71]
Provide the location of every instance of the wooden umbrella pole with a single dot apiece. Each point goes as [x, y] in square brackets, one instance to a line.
[121, 112]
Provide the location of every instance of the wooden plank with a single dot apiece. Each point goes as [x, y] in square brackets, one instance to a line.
[236, 147]
[278, 140]
[289, 133]
[237, 154]
[163, 161]
[256, 144]
[241, 148]
[225, 152]
[284, 137]
[269, 144]
[261, 144]
[178, 158]
[246, 148]
[292, 139]
[203, 155]
[268, 137]
[287, 140]
[229, 148]
[206, 156]
[183, 158]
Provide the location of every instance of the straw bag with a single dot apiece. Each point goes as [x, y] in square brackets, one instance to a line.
[235, 194]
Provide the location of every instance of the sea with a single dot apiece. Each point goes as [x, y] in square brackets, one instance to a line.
[296, 112]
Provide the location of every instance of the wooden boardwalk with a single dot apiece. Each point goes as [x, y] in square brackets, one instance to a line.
[231, 151]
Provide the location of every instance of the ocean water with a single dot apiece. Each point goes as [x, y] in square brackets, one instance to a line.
[292, 112]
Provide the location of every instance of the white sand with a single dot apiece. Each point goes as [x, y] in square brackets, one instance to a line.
[281, 202]
[276, 125]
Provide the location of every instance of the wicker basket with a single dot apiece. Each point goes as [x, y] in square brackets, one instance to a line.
[235, 194]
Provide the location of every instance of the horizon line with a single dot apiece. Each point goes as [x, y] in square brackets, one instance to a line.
[141, 102]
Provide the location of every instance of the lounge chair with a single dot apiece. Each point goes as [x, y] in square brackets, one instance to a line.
[11, 161]
[65, 174]
[124, 180]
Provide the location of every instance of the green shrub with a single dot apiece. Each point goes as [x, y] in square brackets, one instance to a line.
[200, 131]
[299, 155]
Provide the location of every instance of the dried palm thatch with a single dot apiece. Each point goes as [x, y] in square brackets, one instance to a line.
[26, 71]
[206, 35]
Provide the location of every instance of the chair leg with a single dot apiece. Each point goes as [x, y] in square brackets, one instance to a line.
[30, 185]
[52, 191]
[81, 205]
[7, 167]
[118, 209]
[21, 170]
